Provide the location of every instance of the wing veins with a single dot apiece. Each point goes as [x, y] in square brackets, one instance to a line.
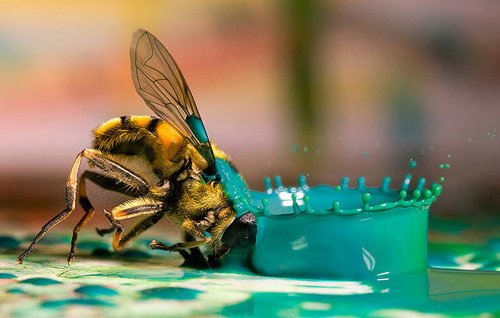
[159, 81]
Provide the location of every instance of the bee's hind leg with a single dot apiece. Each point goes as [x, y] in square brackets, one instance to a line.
[70, 196]
[137, 187]
[104, 182]
[110, 167]
[89, 213]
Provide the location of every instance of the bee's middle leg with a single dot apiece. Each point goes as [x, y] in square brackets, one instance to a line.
[131, 209]
[115, 225]
[112, 184]
[141, 227]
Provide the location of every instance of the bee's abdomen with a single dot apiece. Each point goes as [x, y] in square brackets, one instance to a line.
[156, 139]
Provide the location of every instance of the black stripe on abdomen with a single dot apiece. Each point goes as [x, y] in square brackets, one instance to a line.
[153, 124]
[124, 119]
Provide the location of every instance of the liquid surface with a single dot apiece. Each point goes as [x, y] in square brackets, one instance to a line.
[344, 232]
[100, 283]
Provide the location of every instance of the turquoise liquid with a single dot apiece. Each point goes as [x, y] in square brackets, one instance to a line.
[345, 250]
[342, 232]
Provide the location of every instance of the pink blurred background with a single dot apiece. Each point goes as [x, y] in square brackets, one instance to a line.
[383, 82]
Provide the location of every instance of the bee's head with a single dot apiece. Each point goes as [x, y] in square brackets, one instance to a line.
[242, 232]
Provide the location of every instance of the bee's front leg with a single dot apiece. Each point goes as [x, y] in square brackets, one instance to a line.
[190, 227]
[155, 245]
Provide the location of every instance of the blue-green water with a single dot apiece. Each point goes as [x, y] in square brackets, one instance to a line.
[363, 257]
[467, 283]
[344, 232]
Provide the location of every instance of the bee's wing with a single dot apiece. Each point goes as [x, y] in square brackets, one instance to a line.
[160, 83]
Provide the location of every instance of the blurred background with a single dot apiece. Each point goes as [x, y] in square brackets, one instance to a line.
[322, 88]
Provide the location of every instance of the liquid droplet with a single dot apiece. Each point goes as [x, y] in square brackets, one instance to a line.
[437, 189]
[492, 134]
[427, 193]
[412, 163]
[441, 179]
[444, 166]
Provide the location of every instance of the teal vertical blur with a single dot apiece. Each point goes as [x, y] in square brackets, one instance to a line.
[407, 121]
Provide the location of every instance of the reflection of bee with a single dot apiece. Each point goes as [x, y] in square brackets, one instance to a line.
[198, 186]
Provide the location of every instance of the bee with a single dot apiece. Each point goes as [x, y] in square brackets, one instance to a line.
[197, 184]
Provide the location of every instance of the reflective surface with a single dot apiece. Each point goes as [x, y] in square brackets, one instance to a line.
[139, 281]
